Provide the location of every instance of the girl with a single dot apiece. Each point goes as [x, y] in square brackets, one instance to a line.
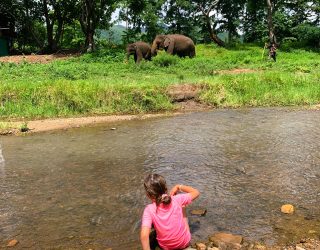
[166, 214]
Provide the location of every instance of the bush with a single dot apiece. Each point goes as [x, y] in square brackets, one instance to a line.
[165, 60]
[288, 43]
[307, 34]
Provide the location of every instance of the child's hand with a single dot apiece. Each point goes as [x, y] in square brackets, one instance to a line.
[174, 190]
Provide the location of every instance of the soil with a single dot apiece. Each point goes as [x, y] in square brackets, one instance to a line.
[67, 123]
[35, 58]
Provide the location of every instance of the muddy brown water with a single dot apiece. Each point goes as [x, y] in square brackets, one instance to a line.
[82, 188]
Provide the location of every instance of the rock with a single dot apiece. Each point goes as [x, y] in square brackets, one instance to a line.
[189, 248]
[201, 246]
[287, 209]
[200, 212]
[260, 247]
[113, 128]
[12, 243]
[312, 231]
[299, 248]
[212, 248]
[219, 238]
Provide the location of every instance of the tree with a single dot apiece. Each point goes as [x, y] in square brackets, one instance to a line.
[208, 12]
[231, 12]
[56, 13]
[272, 37]
[253, 23]
[180, 18]
[94, 14]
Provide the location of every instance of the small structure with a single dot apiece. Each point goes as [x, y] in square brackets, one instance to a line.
[4, 41]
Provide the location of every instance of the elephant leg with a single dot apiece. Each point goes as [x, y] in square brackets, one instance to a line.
[138, 60]
[192, 53]
[138, 55]
[148, 56]
[135, 57]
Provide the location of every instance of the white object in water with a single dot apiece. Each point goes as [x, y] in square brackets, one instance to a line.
[2, 161]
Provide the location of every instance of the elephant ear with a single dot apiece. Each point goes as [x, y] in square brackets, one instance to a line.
[166, 42]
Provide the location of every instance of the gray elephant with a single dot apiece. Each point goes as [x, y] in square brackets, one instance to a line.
[174, 44]
[140, 50]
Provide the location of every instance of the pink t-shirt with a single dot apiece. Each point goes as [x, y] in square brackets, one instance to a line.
[168, 221]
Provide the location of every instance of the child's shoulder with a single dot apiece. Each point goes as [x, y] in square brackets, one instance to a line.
[150, 207]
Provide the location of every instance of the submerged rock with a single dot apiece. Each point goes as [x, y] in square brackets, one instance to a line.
[287, 209]
[201, 246]
[226, 240]
[12, 243]
[200, 212]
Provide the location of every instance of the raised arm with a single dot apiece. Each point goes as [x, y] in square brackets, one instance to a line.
[186, 189]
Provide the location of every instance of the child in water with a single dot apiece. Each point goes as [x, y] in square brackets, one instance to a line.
[166, 213]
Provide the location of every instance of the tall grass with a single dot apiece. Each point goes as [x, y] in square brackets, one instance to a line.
[102, 83]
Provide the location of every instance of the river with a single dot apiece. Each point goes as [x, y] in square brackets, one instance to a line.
[83, 188]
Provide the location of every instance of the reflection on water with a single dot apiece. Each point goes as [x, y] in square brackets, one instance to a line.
[83, 188]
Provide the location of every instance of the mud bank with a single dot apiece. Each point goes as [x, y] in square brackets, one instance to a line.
[14, 128]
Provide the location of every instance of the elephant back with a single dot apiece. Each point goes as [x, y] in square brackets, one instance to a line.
[183, 45]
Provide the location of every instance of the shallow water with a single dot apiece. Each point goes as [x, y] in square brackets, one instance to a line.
[82, 188]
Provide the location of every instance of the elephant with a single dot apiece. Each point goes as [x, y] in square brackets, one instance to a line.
[140, 50]
[174, 44]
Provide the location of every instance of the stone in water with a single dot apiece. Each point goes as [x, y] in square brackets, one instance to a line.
[12, 243]
[219, 238]
[200, 212]
[287, 209]
[201, 246]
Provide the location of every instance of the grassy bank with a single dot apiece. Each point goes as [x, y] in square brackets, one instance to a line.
[101, 83]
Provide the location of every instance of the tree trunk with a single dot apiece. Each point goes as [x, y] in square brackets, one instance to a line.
[49, 26]
[88, 23]
[57, 37]
[90, 45]
[272, 37]
[213, 36]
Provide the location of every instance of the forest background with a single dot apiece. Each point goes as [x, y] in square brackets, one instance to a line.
[46, 26]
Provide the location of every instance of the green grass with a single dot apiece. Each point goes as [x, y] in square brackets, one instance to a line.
[102, 83]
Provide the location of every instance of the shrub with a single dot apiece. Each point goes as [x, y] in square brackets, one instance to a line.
[307, 34]
[165, 60]
[288, 43]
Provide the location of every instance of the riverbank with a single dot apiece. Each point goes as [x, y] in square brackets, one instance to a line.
[102, 83]
[36, 126]
[19, 127]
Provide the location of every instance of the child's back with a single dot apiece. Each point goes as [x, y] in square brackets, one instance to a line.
[168, 220]
[166, 214]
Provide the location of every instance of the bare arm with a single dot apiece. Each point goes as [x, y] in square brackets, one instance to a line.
[186, 189]
[144, 237]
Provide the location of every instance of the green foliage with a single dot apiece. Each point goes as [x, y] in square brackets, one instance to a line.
[288, 44]
[307, 34]
[165, 60]
[101, 83]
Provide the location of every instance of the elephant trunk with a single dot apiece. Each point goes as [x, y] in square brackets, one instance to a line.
[153, 51]
[129, 53]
